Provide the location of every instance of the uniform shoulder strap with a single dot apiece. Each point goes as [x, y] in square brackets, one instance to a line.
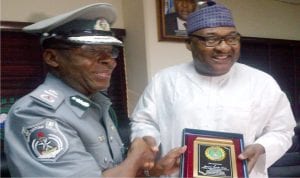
[48, 97]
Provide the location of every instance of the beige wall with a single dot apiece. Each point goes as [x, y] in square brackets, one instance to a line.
[145, 55]
[135, 49]
[266, 18]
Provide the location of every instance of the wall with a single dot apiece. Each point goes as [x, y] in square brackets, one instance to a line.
[266, 18]
[135, 52]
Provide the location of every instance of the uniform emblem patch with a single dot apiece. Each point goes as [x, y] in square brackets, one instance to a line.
[45, 140]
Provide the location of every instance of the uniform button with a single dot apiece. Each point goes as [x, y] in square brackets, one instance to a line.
[105, 160]
[111, 139]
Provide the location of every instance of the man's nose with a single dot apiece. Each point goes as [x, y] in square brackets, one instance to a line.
[223, 45]
[110, 62]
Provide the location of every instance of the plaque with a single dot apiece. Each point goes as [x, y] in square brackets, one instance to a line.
[212, 154]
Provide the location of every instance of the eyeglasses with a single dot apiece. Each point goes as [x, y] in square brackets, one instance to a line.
[213, 41]
[93, 52]
[99, 52]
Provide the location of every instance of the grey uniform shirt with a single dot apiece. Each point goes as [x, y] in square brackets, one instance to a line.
[56, 131]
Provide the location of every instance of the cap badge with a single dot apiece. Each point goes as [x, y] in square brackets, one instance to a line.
[102, 24]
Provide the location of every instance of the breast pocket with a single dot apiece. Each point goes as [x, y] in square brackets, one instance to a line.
[96, 143]
[101, 153]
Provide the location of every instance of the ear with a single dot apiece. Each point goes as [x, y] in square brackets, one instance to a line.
[50, 57]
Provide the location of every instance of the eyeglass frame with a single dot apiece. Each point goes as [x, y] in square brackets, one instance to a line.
[219, 39]
[114, 52]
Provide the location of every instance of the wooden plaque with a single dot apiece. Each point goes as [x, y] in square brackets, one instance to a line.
[212, 154]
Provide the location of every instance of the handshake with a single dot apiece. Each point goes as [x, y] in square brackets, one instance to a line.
[143, 153]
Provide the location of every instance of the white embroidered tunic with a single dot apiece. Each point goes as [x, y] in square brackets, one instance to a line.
[245, 101]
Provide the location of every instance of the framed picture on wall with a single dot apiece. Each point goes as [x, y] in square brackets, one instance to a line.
[172, 15]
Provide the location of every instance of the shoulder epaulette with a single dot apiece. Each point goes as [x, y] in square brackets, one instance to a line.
[47, 97]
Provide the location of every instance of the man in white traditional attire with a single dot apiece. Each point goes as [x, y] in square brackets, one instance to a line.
[216, 93]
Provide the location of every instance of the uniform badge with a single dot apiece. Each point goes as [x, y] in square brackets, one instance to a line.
[102, 24]
[45, 140]
[215, 153]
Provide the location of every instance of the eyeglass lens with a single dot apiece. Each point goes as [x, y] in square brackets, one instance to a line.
[100, 52]
[212, 41]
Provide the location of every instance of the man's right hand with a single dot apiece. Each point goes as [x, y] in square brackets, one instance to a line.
[143, 153]
[168, 164]
[151, 142]
[140, 156]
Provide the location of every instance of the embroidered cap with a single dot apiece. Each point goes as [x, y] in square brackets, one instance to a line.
[209, 16]
[86, 25]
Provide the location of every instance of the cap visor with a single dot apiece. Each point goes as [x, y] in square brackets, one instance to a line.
[105, 40]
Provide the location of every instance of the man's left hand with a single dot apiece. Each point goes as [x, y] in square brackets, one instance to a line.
[251, 154]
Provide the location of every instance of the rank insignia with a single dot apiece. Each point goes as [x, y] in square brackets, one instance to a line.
[45, 140]
[49, 96]
[79, 102]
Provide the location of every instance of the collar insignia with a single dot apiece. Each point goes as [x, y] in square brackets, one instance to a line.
[80, 102]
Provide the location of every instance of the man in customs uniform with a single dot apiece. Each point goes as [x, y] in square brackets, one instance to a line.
[63, 128]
